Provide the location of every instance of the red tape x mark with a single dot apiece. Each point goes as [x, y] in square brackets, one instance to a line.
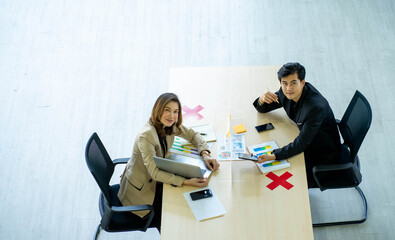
[279, 180]
[192, 112]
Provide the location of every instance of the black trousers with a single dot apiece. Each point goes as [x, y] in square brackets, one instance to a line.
[156, 222]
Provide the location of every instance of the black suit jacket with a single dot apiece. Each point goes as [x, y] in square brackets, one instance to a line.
[319, 137]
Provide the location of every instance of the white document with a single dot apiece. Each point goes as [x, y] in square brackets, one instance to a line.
[205, 208]
[263, 148]
[238, 143]
[267, 148]
[228, 148]
[271, 166]
[187, 150]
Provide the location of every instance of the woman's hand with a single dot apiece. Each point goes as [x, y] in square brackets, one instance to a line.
[197, 182]
[210, 162]
[264, 158]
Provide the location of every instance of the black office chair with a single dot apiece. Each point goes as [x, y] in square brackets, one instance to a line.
[353, 127]
[115, 217]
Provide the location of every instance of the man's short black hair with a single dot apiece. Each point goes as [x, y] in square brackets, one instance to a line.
[291, 68]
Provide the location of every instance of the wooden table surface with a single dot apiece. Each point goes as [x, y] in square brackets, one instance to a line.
[253, 210]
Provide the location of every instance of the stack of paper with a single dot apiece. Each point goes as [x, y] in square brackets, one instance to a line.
[206, 131]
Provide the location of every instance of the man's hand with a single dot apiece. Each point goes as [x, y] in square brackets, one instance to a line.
[268, 98]
[264, 158]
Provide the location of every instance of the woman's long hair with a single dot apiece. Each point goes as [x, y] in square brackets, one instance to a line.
[157, 112]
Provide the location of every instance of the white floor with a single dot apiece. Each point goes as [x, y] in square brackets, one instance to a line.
[69, 68]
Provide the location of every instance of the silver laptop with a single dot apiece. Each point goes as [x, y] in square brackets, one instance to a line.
[184, 166]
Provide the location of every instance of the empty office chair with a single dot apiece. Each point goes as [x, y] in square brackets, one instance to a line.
[353, 127]
[115, 217]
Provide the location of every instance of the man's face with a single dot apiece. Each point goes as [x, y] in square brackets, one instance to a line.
[292, 87]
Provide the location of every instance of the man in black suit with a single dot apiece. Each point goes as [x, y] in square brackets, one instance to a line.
[318, 138]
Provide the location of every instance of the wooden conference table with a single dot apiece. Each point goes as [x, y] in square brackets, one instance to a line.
[253, 210]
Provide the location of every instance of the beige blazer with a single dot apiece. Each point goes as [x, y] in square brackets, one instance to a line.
[138, 182]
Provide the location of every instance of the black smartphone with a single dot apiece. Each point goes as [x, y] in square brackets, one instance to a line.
[201, 194]
[264, 127]
[247, 157]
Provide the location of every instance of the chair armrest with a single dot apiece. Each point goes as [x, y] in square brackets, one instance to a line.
[132, 208]
[332, 167]
[106, 217]
[120, 160]
[138, 208]
[349, 176]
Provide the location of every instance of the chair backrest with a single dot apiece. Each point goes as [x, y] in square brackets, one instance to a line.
[355, 123]
[99, 164]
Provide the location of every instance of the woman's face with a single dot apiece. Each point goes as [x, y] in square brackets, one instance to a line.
[170, 114]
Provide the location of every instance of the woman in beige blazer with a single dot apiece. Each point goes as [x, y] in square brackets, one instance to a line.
[141, 182]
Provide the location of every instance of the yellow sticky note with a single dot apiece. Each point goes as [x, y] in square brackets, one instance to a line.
[239, 128]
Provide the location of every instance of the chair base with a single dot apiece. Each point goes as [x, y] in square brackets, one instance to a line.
[97, 232]
[365, 215]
